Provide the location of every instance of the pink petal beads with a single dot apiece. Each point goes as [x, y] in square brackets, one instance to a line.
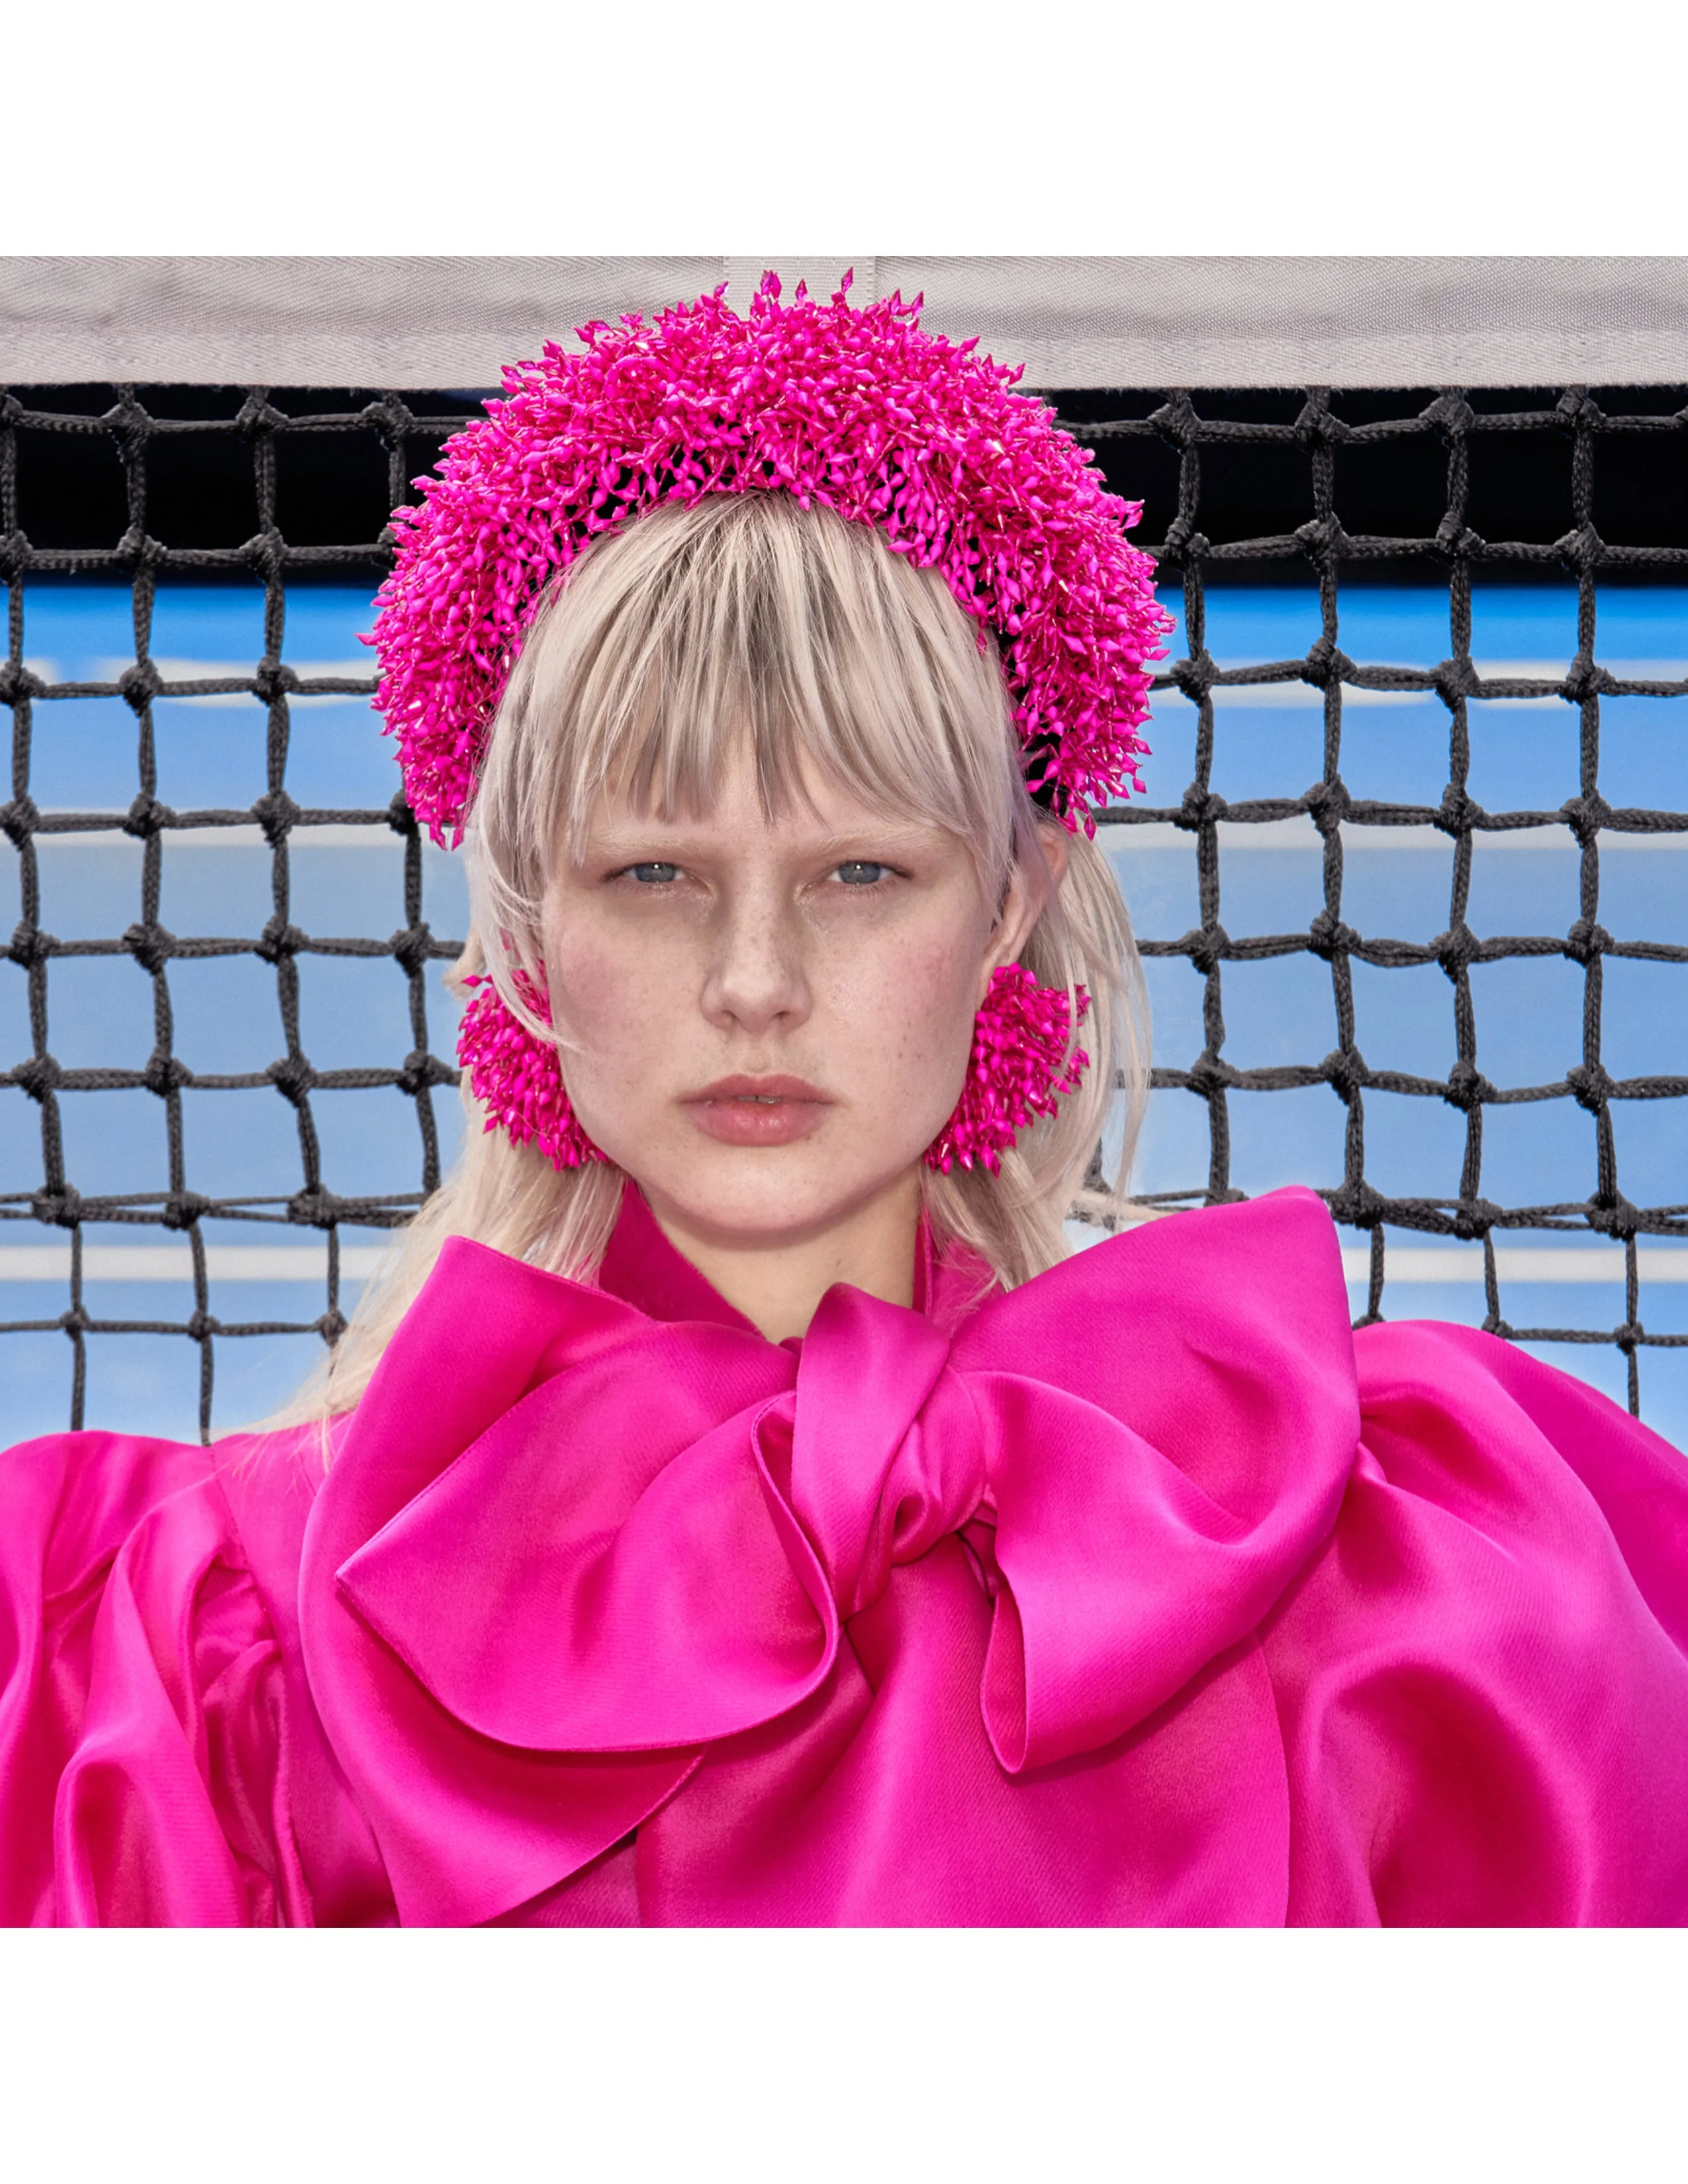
[857, 411]
[517, 1077]
[1018, 1068]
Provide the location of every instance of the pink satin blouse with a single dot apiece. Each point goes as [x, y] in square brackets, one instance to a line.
[1145, 1593]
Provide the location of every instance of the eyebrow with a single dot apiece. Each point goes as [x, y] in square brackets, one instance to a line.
[679, 834]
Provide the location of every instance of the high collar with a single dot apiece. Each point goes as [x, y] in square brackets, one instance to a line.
[642, 1268]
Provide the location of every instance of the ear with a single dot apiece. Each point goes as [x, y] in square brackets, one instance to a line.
[1035, 880]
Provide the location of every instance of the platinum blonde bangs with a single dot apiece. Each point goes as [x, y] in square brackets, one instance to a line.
[658, 650]
[744, 615]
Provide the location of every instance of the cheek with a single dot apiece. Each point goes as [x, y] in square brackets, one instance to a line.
[904, 1020]
[614, 1000]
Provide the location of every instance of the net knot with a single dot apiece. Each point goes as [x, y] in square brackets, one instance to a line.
[1458, 812]
[18, 680]
[151, 946]
[1208, 1074]
[136, 551]
[1454, 679]
[15, 555]
[38, 1074]
[59, 1209]
[1323, 539]
[1329, 803]
[1184, 543]
[1585, 816]
[146, 817]
[1587, 941]
[19, 819]
[271, 680]
[29, 945]
[1474, 1218]
[165, 1074]
[411, 948]
[1615, 1217]
[1581, 548]
[1456, 949]
[276, 813]
[1199, 807]
[265, 551]
[1207, 946]
[182, 1209]
[1356, 1204]
[1466, 1086]
[1590, 1085]
[280, 941]
[421, 1070]
[258, 415]
[1329, 936]
[1451, 414]
[1346, 1073]
[315, 1208]
[1196, 675]
[292, 1077]
[1455, 539]
[1326, 662]
[139, 685]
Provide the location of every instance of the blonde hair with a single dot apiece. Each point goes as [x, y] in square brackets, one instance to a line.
[662, 645]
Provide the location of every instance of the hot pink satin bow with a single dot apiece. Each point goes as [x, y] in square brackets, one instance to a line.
[567, 1551]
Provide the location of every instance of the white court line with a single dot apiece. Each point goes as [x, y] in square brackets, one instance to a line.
[174, 1262]
[308, 1262]
[1299, 832]
[251, 836]
[1516, 1263]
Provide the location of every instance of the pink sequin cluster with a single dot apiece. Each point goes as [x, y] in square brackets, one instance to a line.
[518, 1077]
[859, 411]
[1018, 1066]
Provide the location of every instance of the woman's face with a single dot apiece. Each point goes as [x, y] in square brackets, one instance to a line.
[773, 1019]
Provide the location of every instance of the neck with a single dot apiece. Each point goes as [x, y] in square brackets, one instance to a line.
[779, 1282]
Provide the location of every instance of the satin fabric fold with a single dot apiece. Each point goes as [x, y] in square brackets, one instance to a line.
[1143, 1593]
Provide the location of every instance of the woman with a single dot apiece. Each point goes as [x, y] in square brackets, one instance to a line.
[733, 1505]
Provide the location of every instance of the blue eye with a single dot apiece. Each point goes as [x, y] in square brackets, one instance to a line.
[654, 875]
[860, 872]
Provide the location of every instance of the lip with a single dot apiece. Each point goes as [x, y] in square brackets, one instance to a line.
[758, 1110]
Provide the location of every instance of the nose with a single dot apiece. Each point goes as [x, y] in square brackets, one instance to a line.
[756, 981]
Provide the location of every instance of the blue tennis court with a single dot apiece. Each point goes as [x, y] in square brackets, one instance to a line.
[346, 881]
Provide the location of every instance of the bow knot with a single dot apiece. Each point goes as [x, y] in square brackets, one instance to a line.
[885, 1451]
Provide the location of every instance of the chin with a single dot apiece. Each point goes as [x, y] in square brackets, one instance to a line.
[766, 1193]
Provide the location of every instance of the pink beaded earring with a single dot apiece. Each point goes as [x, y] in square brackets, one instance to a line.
[518, 1077]
[1017, 1070]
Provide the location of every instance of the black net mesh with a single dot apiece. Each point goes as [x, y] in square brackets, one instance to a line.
[1203, 537]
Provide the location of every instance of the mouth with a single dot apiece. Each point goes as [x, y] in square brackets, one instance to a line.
[758, 1110]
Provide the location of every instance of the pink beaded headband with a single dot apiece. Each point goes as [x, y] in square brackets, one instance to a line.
[862, 413]
[858, 410]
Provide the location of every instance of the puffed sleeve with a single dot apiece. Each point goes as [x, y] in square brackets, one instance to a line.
[142, 1760]
[1483, 1677]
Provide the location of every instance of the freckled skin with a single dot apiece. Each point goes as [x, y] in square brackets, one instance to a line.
[834, 946]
